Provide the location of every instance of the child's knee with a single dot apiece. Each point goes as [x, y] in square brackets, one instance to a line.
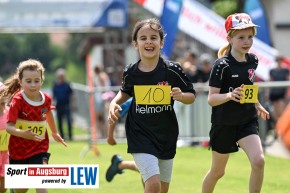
[153, 184]
[258, 162]
[217, 174]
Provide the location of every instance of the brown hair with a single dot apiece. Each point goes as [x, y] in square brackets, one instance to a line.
[2, 89]
[12, 84]
[227, 48]
[153, 23]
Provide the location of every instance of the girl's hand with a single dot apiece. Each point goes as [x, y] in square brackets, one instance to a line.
[58, 138]
[176, 94]
[113, 110]
[28, 134]
[262, 111]
[236, 94]
[111, 140]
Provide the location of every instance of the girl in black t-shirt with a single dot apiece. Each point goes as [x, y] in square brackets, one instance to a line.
[151, 127]
[234, 124]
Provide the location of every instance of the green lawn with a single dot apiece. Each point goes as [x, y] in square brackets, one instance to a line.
[190, 166]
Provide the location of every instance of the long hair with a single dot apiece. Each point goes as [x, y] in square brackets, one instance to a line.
[12, 84]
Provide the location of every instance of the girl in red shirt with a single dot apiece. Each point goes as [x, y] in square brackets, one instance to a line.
[29, 113]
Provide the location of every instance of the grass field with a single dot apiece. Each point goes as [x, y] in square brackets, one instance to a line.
[190, 166]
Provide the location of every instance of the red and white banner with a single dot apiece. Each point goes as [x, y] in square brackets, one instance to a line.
[206, 26]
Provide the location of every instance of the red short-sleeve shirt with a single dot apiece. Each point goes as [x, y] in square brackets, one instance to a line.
[24, 109]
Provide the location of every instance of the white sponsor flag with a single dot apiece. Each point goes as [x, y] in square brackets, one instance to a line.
[206, 26]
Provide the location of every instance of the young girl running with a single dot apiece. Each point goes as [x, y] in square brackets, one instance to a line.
[29, 111]
[151, 127]
[4, 158]
[235, 124]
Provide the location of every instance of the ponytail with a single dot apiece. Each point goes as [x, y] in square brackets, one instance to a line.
[12, 85]
[224, 50]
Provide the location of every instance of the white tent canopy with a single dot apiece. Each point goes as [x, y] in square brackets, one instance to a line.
[61, 15]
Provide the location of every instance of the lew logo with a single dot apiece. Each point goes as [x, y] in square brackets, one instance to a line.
[81, 176]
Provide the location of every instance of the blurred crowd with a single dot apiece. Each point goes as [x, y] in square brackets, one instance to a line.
[196, 66]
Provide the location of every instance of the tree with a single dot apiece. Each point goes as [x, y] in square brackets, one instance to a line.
[38, 46]
[227, 7]
[10, 50]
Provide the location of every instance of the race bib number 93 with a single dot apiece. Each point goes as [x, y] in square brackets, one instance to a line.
[250, 94]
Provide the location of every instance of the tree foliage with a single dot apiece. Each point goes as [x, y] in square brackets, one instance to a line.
[18, 47]
[38, 46]
[227, 7]
[10, 50]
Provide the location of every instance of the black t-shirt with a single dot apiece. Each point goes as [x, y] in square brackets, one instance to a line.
[227, 74]
[153, 129]
[279, 74]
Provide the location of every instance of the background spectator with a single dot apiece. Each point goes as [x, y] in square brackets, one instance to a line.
[101, 80]
[62, 94]
[190, 67]
[205, 66]
[278, 95]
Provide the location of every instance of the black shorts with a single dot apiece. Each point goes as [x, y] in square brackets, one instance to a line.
[224, 138]
[41, 158]
[277, 96]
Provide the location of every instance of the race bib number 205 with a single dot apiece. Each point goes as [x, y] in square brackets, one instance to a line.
[38, 127]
